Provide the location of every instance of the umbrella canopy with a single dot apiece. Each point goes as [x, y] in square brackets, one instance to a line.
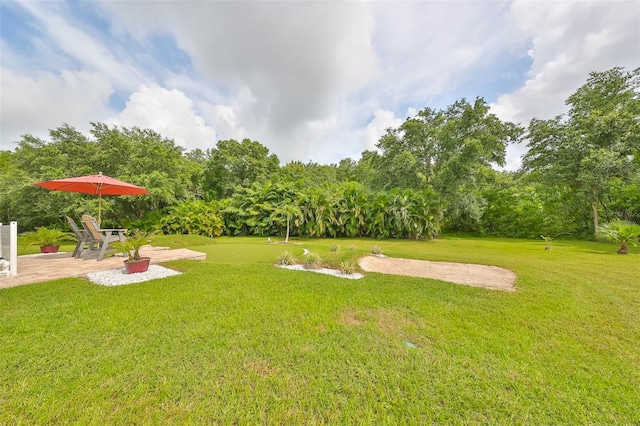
[94, 184]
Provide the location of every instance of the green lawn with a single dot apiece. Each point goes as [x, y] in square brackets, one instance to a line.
[234, 340]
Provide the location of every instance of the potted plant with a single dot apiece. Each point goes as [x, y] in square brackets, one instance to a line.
[48, 239]
[130, 247]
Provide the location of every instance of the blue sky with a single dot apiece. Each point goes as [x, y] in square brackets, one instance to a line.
[311, 80]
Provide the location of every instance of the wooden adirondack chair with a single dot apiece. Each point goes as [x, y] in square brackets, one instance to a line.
[82, 237]
[103, 237]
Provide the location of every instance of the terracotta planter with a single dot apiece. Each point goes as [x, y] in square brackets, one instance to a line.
[135, 266]
[49, 249]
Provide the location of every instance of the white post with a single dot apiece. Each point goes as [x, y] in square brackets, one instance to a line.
[13, 258]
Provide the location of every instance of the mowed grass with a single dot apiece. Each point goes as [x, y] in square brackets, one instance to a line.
[234, 340]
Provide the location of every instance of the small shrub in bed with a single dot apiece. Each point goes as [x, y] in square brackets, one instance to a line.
[312, 261]
[286, 258]
[347, 267]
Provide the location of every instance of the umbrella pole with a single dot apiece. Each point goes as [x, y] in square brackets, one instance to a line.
[99, 208]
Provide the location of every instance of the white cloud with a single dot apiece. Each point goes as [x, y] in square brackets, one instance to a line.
[432, 48]
[382, 120]
[61, 32]
[303, 78]
[569, 40]
[47, 100]
[170, 113]
[226, 122]
[296, 59]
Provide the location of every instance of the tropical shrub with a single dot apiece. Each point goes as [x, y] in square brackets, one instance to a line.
[622, 232]
[404, 213]
[337, 210]
[194, 217]
[131, 246]
[258, 209]
[152, 220]
[44, 236]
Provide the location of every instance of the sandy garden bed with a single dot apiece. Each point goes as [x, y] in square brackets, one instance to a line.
[491, 277]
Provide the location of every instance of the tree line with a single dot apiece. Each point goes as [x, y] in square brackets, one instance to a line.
[435, 172]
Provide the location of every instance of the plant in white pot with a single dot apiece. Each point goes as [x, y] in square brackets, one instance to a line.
[131, 246]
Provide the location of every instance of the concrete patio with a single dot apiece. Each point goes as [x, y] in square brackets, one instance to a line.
[46, 267]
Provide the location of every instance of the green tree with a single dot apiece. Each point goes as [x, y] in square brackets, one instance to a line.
[139, 156]
[286, 212]
[623, 200]
[520, 207]
[449, 151]
[347, 170]
[68, 153]
[594, 143]
[10, 180]
[367, 171]
[234, 163]
[145, 158]
[307, 174]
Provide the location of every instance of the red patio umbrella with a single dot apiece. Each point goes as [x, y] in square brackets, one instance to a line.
[94, 184]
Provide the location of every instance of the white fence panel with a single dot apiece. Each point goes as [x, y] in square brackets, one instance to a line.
[9, 249]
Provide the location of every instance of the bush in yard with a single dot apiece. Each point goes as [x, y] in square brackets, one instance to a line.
[622, 232]
[286, 258]
[44, 236]
[347, 267]
[194, 217]
[312, 261]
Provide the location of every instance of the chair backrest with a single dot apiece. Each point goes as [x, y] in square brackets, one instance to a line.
[91, 226]
[74, 227]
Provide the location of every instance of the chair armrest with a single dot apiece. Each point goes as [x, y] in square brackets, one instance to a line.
[111, 232]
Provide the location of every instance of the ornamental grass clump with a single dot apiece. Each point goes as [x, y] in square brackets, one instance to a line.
[312, 261]
[286, 258]
[376, 250]
[347, 267]
[334, 247]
